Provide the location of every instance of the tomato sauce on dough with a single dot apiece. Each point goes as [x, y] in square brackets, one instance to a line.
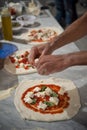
[63, 100]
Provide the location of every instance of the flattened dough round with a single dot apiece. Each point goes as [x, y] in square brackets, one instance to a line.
[10, 67]
[29, 114]
[26, 37]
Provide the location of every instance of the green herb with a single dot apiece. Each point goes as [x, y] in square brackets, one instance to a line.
[43, 88]
[34, 101]
[18, 57]
[54, 94]
[49, 104]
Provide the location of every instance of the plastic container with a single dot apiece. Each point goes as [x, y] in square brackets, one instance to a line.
[26, 19]
[16, 26]
[6, 49]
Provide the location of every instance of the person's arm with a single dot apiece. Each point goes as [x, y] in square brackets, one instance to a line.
[49, 64]
[75, 31]
[78, 58]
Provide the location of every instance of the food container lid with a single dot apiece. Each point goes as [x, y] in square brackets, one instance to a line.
[7, 49]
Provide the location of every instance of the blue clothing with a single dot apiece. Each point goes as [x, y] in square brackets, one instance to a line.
[66, 10]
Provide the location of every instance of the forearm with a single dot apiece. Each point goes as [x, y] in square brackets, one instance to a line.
[77, 58]
[75, 31]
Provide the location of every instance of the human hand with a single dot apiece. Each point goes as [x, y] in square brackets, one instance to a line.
[38, 51]
[49, 64]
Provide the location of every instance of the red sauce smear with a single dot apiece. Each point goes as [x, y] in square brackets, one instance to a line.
[63, 100]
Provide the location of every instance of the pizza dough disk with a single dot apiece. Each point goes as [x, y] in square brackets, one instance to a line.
[29, 114]
[6, 93]
[10, 67]
[25, 36]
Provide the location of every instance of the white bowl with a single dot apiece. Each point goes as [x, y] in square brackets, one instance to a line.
[26, 19]
[16, 26]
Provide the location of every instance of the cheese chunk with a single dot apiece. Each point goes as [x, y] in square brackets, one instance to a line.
[37, 89]
[48, 91]
[16, 59]
[21, 64]
[20, 59]
[54, 100]
[29, 95]
[40, 94]
[28, 100]
[36, 60]
[42, 106]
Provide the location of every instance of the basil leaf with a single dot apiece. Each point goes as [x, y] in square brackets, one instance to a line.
[54, 94]
[18, 57]
[43, 88]
[49, 104]
[34, 101]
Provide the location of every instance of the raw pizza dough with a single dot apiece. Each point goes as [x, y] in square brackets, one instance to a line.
[10, 67]
[6, 93]
[29, 114]
[25, 36]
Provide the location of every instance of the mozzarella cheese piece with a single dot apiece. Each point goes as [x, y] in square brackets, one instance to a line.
[36, 60]
[21, 64]
[39, 35]
[28, 100]
[37, 89]
[48, 91]
[54, 100]
[29, 95]
[20, 59]
[40, 94]
[42, 106]
[16, 59]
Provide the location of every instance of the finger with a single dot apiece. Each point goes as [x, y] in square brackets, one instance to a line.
[43, 71]
[32, 55]
[45, 51]
[48, 47]
[40, 62]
